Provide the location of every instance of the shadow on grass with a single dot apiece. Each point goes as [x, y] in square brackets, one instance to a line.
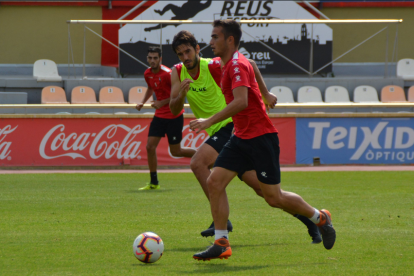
[136, 191]
[208, 267]
[200, 248]
[212, 267]
[220, 268]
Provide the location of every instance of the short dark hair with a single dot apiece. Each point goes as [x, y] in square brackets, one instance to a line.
[230, 28]
[154, 49]
[184, 37]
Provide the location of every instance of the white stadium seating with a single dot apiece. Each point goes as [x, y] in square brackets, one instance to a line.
[46, 70]
[365, 94]
[284, 94]
[309, 94]
[336, 94]
[405, 69]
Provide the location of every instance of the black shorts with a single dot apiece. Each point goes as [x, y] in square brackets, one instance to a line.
[172, 127]
[221, 137]
[260, 154]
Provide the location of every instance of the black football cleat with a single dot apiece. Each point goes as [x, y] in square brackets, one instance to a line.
[326, 229]
[219, 250]
[313, 230]
[210, 231]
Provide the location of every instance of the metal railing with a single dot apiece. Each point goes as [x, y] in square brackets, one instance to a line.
[310, 72]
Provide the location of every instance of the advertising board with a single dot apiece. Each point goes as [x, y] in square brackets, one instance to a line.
[355, 140]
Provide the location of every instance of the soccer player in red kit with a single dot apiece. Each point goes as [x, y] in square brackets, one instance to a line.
[158, 78]
[198, 80]
[254, 145]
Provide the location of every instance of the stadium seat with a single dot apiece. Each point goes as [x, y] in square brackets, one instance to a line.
[111, 95]
[46, 70]
[405, 69]
[392, 93]
[284, 94]
[309, 94]
[365, 93]
[136, 94]
[83, 95]
[336, 94]
[411, 94]
[53, 95]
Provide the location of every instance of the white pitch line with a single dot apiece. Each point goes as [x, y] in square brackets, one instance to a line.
[365, 168]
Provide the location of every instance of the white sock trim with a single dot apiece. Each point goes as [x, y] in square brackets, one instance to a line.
[221, 234]
[316, 217]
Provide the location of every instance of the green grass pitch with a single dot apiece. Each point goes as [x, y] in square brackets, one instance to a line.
[85, 224]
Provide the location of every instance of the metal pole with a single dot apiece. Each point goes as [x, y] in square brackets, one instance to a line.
[270, 21]
[311, 54]
[68, 51]
[386, 53]
[122, 50]
[84, 49]
[315, 9]
[73, 59]
[133, 9]
[329, 63]
[394, 50]
[161, 38]
[396, 45]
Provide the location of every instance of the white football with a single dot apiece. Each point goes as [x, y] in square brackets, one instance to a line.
[148, 247]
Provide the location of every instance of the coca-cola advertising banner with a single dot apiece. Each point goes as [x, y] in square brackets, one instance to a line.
[102, 142]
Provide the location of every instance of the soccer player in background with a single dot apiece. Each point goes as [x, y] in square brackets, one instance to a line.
[198, 80]
[254, 145]
[158, 78]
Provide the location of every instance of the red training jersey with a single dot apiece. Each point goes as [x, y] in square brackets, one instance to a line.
[252, 121]
[214, 68]
[161, 84]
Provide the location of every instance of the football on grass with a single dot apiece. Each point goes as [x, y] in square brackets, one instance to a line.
[148, 247]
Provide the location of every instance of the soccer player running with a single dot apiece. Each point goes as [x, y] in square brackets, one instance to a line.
[158, 78]
[254, 145]
[198, 80]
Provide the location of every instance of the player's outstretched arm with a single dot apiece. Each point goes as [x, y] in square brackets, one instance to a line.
[147, 95]
[270, 100]
[239, 103]
[178, 92]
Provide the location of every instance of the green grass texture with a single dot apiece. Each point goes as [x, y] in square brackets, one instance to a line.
[85, 224]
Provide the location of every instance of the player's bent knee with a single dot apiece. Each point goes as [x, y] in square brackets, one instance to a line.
[214, 185]
[197, 163]
[176, 153]
[194, 164]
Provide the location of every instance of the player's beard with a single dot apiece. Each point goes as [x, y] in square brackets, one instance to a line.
[155, 67]
[195, 63]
